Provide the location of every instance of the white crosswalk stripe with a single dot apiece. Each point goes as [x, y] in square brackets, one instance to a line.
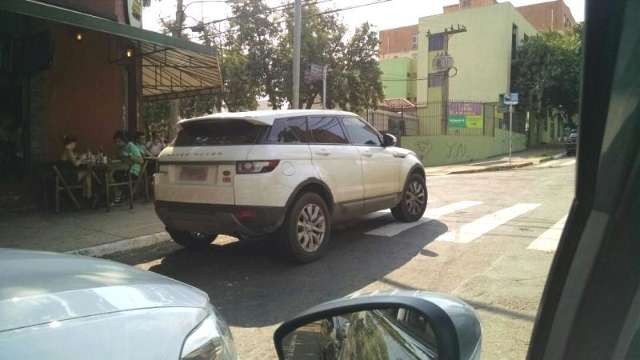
[396, 228]
[548, 241]
[473, 230]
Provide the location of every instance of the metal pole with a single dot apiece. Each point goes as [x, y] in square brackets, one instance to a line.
[174, 105]
[297, 40]
[324, 86]
[510, 131]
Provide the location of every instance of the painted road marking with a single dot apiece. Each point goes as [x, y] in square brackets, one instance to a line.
[483, 225]
[396, 228]
[548, 241]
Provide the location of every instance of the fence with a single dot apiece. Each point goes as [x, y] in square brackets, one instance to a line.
[458, 118]
[400, 123]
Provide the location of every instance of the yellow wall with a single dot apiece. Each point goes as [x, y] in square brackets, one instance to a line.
[482, 55]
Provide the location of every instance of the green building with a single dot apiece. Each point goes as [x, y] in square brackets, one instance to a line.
[398, 77]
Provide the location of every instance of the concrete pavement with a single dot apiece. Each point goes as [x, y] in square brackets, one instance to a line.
[477, 242]
[88, 232]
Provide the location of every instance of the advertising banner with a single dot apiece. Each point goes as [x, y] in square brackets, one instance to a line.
[465, 115]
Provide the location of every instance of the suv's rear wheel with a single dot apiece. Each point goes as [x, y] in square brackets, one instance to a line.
[192, 239]
[306, 230]
[414, 200]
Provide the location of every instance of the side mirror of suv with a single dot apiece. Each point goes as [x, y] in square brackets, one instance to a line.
[388, 140]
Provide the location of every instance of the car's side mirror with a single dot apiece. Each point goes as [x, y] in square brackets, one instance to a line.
[398, 325]
[388, 140]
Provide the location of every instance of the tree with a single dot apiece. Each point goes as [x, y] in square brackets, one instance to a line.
[255, 54]
[321, 44]
[361, 87]
[353, 81]
[546, 73]
[252, 34]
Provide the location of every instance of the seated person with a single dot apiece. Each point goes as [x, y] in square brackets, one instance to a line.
[128, 152]
[69, 155]
[138, 140]
[155, 146]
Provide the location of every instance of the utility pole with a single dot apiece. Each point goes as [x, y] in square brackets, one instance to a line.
[174, 105]
[324, 86]
[297, 43]
[510, 130]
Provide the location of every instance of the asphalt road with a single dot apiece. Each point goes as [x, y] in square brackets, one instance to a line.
[490, 241]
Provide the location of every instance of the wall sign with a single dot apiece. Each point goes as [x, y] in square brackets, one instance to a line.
[465, 115]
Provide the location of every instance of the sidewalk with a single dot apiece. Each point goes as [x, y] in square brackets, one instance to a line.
[520, 159]
[87, 232]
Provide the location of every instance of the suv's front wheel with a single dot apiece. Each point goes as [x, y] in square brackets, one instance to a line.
[306, 230]
[192, 239]
[414, 200]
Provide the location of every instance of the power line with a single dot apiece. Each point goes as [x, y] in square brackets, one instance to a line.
[318, 14]
[270, 10]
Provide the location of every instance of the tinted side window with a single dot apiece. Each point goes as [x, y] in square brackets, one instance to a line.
[326, 130]
[360, 132]
[288, 131]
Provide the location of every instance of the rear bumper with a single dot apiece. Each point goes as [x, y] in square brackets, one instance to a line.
[220, 219]
[571, 147]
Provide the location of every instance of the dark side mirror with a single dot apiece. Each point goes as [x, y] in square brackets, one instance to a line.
[389, 140]
[398, 325]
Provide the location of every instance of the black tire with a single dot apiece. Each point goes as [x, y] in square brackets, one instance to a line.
[288, 236]
[412, 205]
[192, 240]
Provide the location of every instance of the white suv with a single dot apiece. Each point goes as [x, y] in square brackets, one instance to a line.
[291, 173]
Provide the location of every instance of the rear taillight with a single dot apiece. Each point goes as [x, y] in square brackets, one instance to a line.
[256, 167]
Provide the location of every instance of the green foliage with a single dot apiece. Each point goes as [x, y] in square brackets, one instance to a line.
[353, 80]
[546, 73]
[255, 54]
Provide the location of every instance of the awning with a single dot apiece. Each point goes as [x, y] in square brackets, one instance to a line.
[171, 67]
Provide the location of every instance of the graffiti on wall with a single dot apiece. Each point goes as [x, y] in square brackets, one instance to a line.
[456, 150]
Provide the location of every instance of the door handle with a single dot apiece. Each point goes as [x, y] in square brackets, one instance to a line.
[367, 154]
[323, 153]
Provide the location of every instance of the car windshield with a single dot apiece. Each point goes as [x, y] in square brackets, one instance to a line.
[279, 154]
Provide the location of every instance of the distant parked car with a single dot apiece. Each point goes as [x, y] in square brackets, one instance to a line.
[572, 141]
[55, 306]
[291, 172]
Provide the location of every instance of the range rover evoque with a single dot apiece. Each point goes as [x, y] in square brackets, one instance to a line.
[290, 174]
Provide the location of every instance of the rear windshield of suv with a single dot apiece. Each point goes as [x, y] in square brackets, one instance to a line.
[219, 132]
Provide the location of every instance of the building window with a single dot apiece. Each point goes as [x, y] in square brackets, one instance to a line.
[414, 42]
[436, 42]
[436, 79]
[514, 40]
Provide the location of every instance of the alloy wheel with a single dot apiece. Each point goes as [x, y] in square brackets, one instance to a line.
[415, 197]
[311, 227]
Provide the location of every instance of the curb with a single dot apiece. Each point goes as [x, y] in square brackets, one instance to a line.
[492, 168]
[122, 245]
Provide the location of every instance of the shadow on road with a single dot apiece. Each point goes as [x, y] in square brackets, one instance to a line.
[253, 287]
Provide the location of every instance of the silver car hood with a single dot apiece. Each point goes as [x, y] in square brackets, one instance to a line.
[40, 287]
